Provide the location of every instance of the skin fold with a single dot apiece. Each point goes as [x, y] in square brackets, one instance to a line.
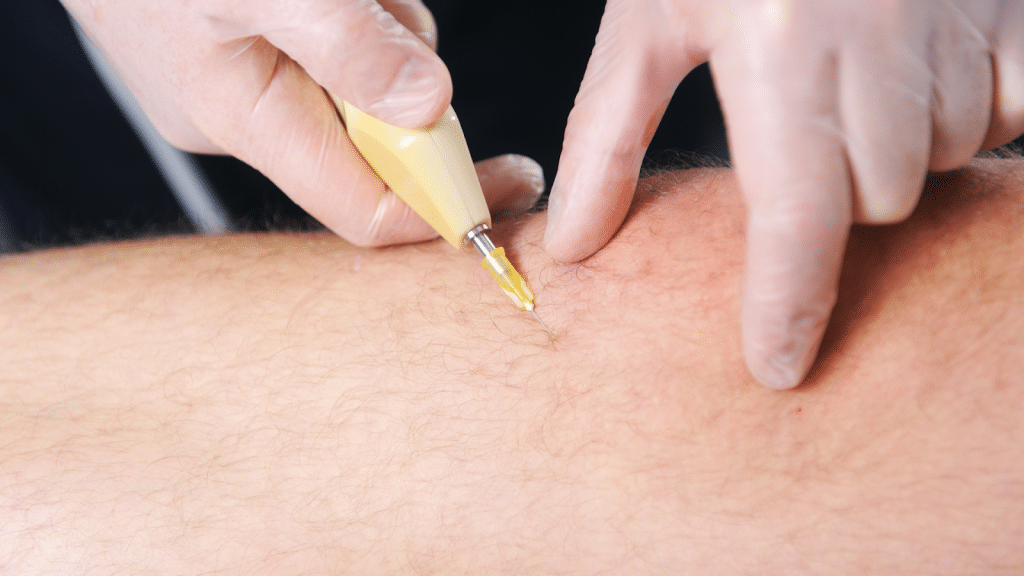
[289, 404]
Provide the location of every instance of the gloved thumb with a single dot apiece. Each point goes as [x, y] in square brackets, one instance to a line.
[629, 81]
[377, 55]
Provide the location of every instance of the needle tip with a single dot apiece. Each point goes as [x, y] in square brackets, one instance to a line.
[550, 333]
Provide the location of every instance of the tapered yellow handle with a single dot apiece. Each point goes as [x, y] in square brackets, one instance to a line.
[429, 168]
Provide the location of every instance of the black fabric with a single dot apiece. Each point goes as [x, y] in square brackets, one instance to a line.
[71, 168]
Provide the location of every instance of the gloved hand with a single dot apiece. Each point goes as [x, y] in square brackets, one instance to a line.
[835, 110]
[244, 77]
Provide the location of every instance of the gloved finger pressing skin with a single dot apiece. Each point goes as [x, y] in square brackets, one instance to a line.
[835, 111]
[625, 90]
[781, 104]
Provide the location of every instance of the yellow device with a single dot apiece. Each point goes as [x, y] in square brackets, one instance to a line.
[431, 170]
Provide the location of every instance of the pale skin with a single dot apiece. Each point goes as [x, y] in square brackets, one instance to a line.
[291, 404]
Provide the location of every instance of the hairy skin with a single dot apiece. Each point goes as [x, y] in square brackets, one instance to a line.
[290, 404]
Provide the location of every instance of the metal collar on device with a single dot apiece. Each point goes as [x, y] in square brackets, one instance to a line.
[478, 236]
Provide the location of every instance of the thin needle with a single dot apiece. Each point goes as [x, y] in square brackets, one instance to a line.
[542, 323]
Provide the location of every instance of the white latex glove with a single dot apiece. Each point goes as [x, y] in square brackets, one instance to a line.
[244, 77]
[835, 111]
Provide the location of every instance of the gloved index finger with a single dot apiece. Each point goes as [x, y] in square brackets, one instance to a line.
[779, 96]
[629, 81]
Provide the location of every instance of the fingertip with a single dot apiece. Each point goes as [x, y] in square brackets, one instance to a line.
[627, 86]
[529, 170]
[362, 53]
[418, 95]
[589, 200]
[511, 183]
[780, 365]
[794, 261]
[780, 345]
[567, 238]
[564, 250]
[575, 243]
[774, 370]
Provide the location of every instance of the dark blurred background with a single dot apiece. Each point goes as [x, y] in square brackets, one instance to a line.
[72, 169]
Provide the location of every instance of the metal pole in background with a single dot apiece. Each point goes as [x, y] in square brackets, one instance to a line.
[185, 179]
